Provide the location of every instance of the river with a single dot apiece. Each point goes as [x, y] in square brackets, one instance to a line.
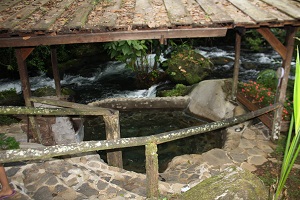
[113, 79]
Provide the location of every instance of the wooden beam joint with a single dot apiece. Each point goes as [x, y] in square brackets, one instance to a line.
[273, 41]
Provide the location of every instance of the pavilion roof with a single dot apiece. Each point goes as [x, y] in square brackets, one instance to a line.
[48, 22]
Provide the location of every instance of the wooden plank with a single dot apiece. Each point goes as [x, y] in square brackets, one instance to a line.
[81, 15]
[238, 39]
[214, 12]
[152, 171]
[112, 129]
[178, 15]
[263, 118]
[199, 16]
[7, 4]
[110, 15]
[18, 17]
[254, 12]
[66, 104]
[286, 64]
[240, 18]
[281, 17]
[285, 7]
[52, 15]
[112, 36]
[144, 14]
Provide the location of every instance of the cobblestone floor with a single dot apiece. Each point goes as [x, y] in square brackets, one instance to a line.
[88, 177]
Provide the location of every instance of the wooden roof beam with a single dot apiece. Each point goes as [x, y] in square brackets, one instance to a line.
[274, 42]
[111, 36]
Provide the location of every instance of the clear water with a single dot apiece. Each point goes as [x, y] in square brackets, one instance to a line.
[150, 122]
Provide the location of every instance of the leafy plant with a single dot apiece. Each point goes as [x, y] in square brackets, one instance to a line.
[39, 57]
[292, 145]
[8, 142]
[135, 54]
[179, 90]
[268, 78]
[131, 52]
[262, 96]
[7, 120]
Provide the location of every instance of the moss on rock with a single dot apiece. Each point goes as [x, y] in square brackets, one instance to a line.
[188, 67]
[179, 90]
[232, 183]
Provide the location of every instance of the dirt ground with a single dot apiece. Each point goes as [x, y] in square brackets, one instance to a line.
[269, 173]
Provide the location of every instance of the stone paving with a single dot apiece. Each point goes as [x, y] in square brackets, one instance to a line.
[88, 177]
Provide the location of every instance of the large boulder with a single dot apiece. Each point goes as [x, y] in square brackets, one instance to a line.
[234, 183]
[210, 99]
[188, 67]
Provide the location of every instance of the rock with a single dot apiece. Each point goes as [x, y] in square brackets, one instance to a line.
[233, 183]
[216, 157]
[209, 100]
[249, 65]
[249, 134]
[188, 67]
[257, 160]
[222, 60]
[239, 110]
[248, 167]
[246, 144]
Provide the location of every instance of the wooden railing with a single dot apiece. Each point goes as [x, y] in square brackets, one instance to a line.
[150, 142]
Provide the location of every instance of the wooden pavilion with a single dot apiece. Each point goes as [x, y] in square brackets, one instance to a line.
[27, 24]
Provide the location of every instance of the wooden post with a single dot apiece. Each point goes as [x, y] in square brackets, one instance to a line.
[152, 170]
[286, 64]
[22, 54]
[238, 39]
[55, 71]
[112, 128]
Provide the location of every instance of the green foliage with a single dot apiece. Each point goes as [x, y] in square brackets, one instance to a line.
[263, 96]
[280, 146]
[39, 58]
[44, 91]
[10, 98]
[7, 120]
[131, 52]
[8, 60]
[134, 54]
[179, 90]
[256, 42]
[6, 94]
[292, 144]
[268, 79]
[8, 142]
[187, 66]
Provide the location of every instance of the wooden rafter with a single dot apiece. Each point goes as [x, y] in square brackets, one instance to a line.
[274, 42]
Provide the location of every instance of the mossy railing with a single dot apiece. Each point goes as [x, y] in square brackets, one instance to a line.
[150, 142]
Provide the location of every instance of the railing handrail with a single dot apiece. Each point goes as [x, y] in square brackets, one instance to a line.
[150, 142]
[59, 150]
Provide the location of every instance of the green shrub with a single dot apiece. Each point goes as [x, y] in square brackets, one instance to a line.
[179, 90]
[8, 142]
[7, 120]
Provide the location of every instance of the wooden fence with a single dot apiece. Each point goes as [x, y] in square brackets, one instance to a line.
[150, 142]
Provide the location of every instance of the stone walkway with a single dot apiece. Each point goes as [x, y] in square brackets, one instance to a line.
[88, 177]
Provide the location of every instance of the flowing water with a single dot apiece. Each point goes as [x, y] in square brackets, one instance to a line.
[112, 79]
